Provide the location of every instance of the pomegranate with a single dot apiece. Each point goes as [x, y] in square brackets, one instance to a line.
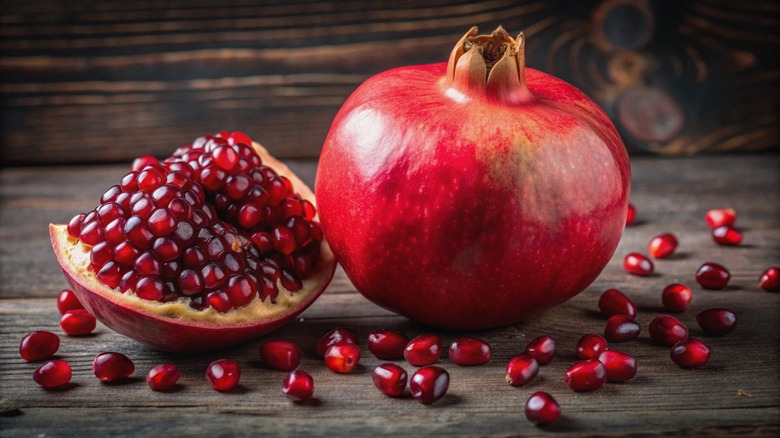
[390, 379]
[587, 375]
[690, 353]
[713, 276]
[53, 373]
[630, 214]
[162, 377]
[620, 366]
[387, 344]
[67, 300]
[727, 236]
[298, 386]
[590, 346]
[676, 297]
[720, 217]
[39, 345]
[217, 244]
[423, 350]
[662, 245]
[429, 384]
[281, 355]
[457, 193]
[621, 328]
[338, 335]
[542, 409]
[614, 302]
[638, 264]
[667, 330]
[77, 322]
[521, 370]
[770, 279]
[111, 366]
[717, 322]
[342, 358]
[469, 351]
[223, 374]
[543, 349]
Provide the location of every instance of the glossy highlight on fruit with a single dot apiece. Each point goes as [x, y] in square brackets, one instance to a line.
[112, 366]
[721, 217]
[53, 373]
[38, 345]
[620, 366]
[162, 377]
[543, 349]
[338, 335]
[667, 330]
[587, 375]
[387, 344]
[342, 358]
[542, 409]
[676, 297]
[423, 350]
[690, 353]
[390, 379]
[727, 236]
[77, 322]
[590, 346]
[429, 384]
[469, 351]
[621, 328]
[67, 300]
[457, 193]
[223, 374]
[638, 264]
[717, 321]
[521, 370]
[298, 386]
[713, 276]
[614, 302]
[770, 279]
[662, 246]
[281, 355]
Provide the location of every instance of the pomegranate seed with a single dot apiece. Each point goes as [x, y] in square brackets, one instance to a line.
[662, 246]
[67, 300]
[53, 373]
[712, 276]
[110, 366]
[727, 236]
[630, 214]
[298, 386]
[638, 264]
[223, 374]
[390, 379]
[141, 162]
[521, 370]
[162, 377]
[667, 330]
[469, 351]
[387, 344]
[770, 279]
[542, 409]
[590, 346]
[720, 217]
[39, 345]
[676, 297]
[587, 375]
[281, 355]
[74, 226]
[429, 384]
[423, 350]
[717, 322]
[77, 322]
[620, 366]
[690, 353]
[542, 349]
[613, 302]
[621, 328]
[342, 358]
[336, 336]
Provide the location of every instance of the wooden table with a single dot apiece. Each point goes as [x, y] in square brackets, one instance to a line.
[737, 392]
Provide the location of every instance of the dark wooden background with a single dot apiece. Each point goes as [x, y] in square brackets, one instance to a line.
[104, 81]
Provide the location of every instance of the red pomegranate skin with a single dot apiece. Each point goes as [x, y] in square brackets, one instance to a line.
[471, 209]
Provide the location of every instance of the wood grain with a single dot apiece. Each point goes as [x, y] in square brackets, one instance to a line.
[107, 81]
[671, 195]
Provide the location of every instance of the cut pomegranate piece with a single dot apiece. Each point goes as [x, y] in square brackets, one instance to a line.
[620, 366]
[338, 335]
[712, 276]
[387, 344]
[613, 302]
[298, 386]
[542, 409]
[281, 355]
[543, 349]
[423, 350]
[587, 375]
[630, 214]
[590, 346]
[469, 351]
[53, 373]
[77, 322]
[717, 322]
[162, 377]
[223, 374]
[39, 345]
[770, 279]
[690, 353]
[638, 264]
[111, 366]
[667, 330]
[390, 379]
[727, 236]
[521, 370]
[676, 297]
[429, 384]
[720, 217]
[67, 300]
[342, 358]
[662, 245]
[621, 328]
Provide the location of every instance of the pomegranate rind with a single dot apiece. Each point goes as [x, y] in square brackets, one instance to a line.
[175, 326]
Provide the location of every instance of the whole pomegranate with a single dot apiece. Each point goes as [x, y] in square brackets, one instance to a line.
[472, 193]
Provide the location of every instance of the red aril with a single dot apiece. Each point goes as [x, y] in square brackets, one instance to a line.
[298, 386]
[676, 297]
[720, 217]
[390, 379]
[67, 300]
[638, 264]
[667, 330]
[543, 349]
[770, 279]
[717, 322]
[281, 355]
[542, 409]
[429, 384]
[621, 328]
[53, 373]
[469, 351]
[77, 322]
[223, 374]
[162, 377]
[338, 335]
[712, 276]
[472, 179]
[620, 367]
[613, 302]
[342, 358]
[387, 344]
[521, 370]
[141, 162]
[727, 236]
[587, 375]
[590, 346]
[38, 345]
[111, 366]
[630, 214]
[662, 245]
[423, 350]
[690, 353]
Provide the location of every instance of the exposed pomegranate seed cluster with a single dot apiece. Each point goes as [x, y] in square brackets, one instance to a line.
[210, 223]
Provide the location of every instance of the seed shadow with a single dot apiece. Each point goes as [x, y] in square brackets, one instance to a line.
[654, 309]
[63, 388]
[677, 256]
[123, 382]
[593, 314]
[447, 400]
[310, 403]
[177, 387]
[565, 424]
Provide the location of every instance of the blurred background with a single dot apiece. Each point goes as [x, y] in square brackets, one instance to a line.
[108, 80]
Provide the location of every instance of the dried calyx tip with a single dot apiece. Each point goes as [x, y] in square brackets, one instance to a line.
[493, 47]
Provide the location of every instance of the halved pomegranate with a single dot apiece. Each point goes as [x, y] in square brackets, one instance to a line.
[214, 246]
